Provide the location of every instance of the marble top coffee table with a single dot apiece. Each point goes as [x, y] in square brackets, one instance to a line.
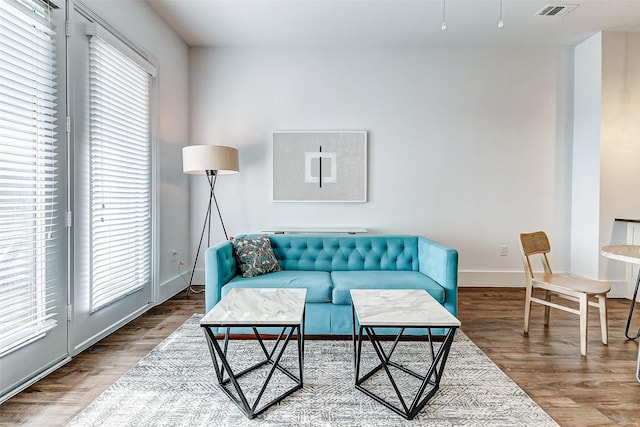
[253, 308]
[380, 308]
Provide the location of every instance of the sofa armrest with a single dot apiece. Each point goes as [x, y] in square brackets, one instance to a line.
[219, 268]
[440, 263]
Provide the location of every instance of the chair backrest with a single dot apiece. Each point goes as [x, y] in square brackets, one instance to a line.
[533, 244]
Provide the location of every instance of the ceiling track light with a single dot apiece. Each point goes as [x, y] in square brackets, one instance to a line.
[500, 21]
[444, 15]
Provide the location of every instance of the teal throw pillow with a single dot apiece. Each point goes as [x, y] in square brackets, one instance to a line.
[255, 256]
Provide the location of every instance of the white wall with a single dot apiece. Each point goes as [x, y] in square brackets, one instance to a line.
[619, 148]
[140, 24]
[605, 152]
[467, 146]
[585, 217]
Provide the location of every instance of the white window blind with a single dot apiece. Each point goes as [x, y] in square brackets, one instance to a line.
[120, 170]
[29, 244]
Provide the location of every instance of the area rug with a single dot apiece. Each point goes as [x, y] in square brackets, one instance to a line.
[175, 385]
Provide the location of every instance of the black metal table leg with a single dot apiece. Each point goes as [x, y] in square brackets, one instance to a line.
[633, 304]
[221, 364]
[638, 365]
[430, 381]
[353, 335]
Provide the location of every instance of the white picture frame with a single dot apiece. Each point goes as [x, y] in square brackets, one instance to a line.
[320, 166]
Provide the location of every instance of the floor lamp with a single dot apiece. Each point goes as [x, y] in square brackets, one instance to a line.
[209, 160]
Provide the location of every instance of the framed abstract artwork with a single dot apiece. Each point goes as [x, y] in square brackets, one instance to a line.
[320, 166]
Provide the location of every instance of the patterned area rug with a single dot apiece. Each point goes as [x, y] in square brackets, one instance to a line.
[175, 385]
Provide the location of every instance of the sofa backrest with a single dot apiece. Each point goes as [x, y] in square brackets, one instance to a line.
[345, 252]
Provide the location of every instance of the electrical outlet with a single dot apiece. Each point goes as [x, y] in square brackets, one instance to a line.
[504, 250]
[174, 255]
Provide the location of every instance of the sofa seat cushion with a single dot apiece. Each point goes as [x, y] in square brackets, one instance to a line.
[344, 281]
[317, 283]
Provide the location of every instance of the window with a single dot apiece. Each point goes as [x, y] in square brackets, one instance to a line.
[29, 235]
[120, 170]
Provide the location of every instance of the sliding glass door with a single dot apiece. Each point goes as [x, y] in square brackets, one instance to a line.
[76, 185]
[113, 183]
[33, 202]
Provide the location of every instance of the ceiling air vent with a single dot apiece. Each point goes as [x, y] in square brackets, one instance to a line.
[556, 10]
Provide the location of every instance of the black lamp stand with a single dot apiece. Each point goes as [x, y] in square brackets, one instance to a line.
[212, 175]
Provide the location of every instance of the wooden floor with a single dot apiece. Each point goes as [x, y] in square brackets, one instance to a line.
[598, 390]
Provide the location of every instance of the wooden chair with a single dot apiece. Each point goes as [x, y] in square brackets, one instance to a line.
[573, 288]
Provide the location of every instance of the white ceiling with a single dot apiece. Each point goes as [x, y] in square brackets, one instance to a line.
[390, 23]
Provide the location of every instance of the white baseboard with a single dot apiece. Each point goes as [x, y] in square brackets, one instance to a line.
[172, 287]
[618, 289]
[498, 279]
[198, 277]
[515, 279]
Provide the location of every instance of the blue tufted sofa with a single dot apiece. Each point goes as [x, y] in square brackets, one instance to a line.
[331, 265]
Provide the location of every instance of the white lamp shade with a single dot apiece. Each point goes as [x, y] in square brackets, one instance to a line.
[198, 159]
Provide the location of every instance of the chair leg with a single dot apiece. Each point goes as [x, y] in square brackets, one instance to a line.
[547, 309]
[527, 308]
[604, 322]
[584, 316]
